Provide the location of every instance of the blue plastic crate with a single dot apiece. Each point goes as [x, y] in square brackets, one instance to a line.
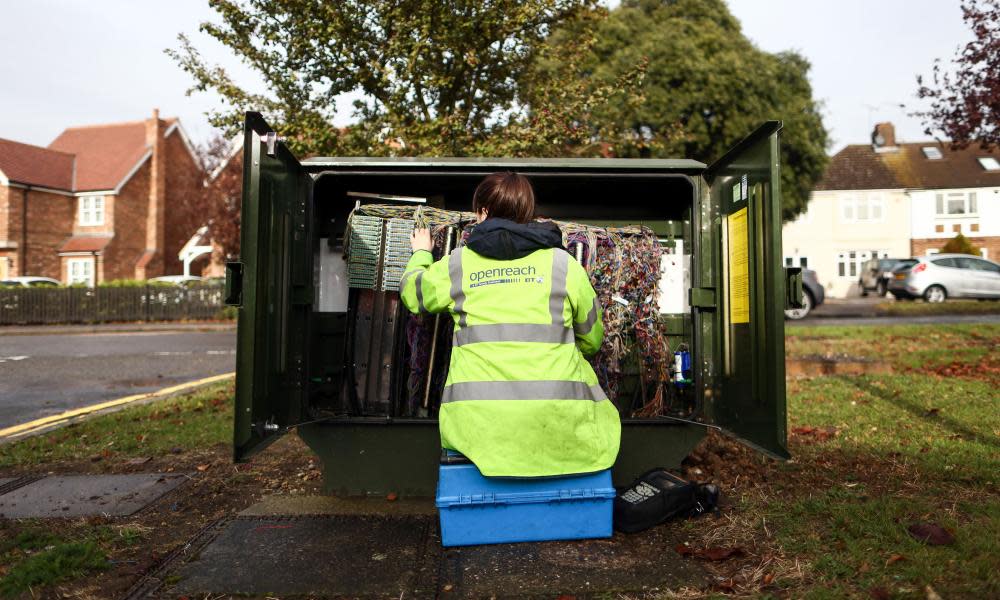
[491, 510]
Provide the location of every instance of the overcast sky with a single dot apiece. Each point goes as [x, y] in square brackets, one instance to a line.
[77, 62]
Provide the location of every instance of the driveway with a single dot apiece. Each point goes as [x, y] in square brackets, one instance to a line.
[44, 374]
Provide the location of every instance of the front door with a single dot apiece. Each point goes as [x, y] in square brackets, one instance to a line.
[745, 185]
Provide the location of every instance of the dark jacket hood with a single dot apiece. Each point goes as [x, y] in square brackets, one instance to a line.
[506, 240]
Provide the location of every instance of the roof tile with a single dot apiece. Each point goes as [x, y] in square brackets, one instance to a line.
[105, 153]
[85, 243]
[860, 167]
[34, 165]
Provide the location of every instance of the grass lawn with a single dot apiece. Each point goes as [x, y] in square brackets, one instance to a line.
[875, 454]
[195, 420]
[951, 307]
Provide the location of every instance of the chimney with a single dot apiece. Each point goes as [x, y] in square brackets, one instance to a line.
[884, 137]
[155, 221]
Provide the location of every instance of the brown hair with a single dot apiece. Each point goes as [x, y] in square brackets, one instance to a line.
[505, 195]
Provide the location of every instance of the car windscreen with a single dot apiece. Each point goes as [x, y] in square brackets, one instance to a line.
[905, 264]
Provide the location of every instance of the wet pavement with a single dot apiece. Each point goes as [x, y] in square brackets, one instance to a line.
[86, 495]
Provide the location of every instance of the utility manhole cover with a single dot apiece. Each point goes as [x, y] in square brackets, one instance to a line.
[86, 495]
[331, 556]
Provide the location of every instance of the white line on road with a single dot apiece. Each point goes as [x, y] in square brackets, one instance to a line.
[12, 358]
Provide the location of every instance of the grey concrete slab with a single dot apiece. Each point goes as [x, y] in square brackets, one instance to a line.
[299, 506]
[347, 556]
[389, 557]
[87, 495]
[628, 564]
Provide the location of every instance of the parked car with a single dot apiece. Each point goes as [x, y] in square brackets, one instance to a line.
[876, 272]
[812, 296]
[30, 281]
[942, 276]
[177, 279]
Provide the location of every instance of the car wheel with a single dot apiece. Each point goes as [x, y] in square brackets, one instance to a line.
[935, 293]
[800, 313]
[881, 288]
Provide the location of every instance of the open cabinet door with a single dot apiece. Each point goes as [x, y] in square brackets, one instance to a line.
[746, 186]
[272, 284]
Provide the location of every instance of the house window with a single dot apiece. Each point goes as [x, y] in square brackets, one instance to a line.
[862, 208]
[850, 263]
[989, 163]
[956, 228]
[973, 227]
[932, 152]
[81, 270]
[797, 261]
[954, 204]
[92, 210]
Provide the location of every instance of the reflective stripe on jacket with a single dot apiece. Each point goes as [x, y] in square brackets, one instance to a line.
[520, 399]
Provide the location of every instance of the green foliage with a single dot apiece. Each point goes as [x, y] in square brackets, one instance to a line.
[436, 78]
[959, 245]
[706, 87]
[133, 283]
[59, 563]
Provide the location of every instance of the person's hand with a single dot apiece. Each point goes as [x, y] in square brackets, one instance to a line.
[421, 239]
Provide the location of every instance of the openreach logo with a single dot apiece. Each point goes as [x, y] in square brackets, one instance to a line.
[525, 274]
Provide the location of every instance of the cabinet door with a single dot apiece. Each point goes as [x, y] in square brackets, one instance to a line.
[745, 185]
[272, 284]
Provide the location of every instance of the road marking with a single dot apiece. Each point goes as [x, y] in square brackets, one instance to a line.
[186, 353]
[31, 426]
[11, 358]
[220, 352]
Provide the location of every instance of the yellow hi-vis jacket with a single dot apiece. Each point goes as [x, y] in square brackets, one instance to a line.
[520, 400]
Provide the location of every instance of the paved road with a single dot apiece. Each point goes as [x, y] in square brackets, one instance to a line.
[44, 374]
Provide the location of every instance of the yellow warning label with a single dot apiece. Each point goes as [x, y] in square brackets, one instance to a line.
[739, 267]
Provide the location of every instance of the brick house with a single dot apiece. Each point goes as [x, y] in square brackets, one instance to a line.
[889, 199]
[99, 203]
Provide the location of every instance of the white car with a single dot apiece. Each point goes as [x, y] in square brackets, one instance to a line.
[29, 281]
[936, 278]
[177, 279]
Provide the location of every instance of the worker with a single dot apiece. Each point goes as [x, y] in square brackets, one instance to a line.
[520, 399]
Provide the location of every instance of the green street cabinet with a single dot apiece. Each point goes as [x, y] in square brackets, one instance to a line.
[306, 345]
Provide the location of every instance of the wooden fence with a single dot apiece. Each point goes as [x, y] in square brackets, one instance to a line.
[30, 306]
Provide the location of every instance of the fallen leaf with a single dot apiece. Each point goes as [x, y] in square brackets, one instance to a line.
[931, 594]
[864, 568]
[895, 558]
[768, 578]
[391, 496]
[879, 593]
[931, 534]
[138, 461]
[448, 587]
[202, 468]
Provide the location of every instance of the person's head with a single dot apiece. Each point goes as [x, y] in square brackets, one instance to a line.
[505, 195]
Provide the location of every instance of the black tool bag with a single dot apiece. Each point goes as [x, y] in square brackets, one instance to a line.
[657, 496]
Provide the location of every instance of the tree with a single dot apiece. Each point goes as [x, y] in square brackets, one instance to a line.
[437, 77]
[959, 245]
[965, 105]
[706, 87]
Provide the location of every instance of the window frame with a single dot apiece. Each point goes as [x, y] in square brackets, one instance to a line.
[943, 200]
[89, 270]
[851, 206]
[91, 211]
